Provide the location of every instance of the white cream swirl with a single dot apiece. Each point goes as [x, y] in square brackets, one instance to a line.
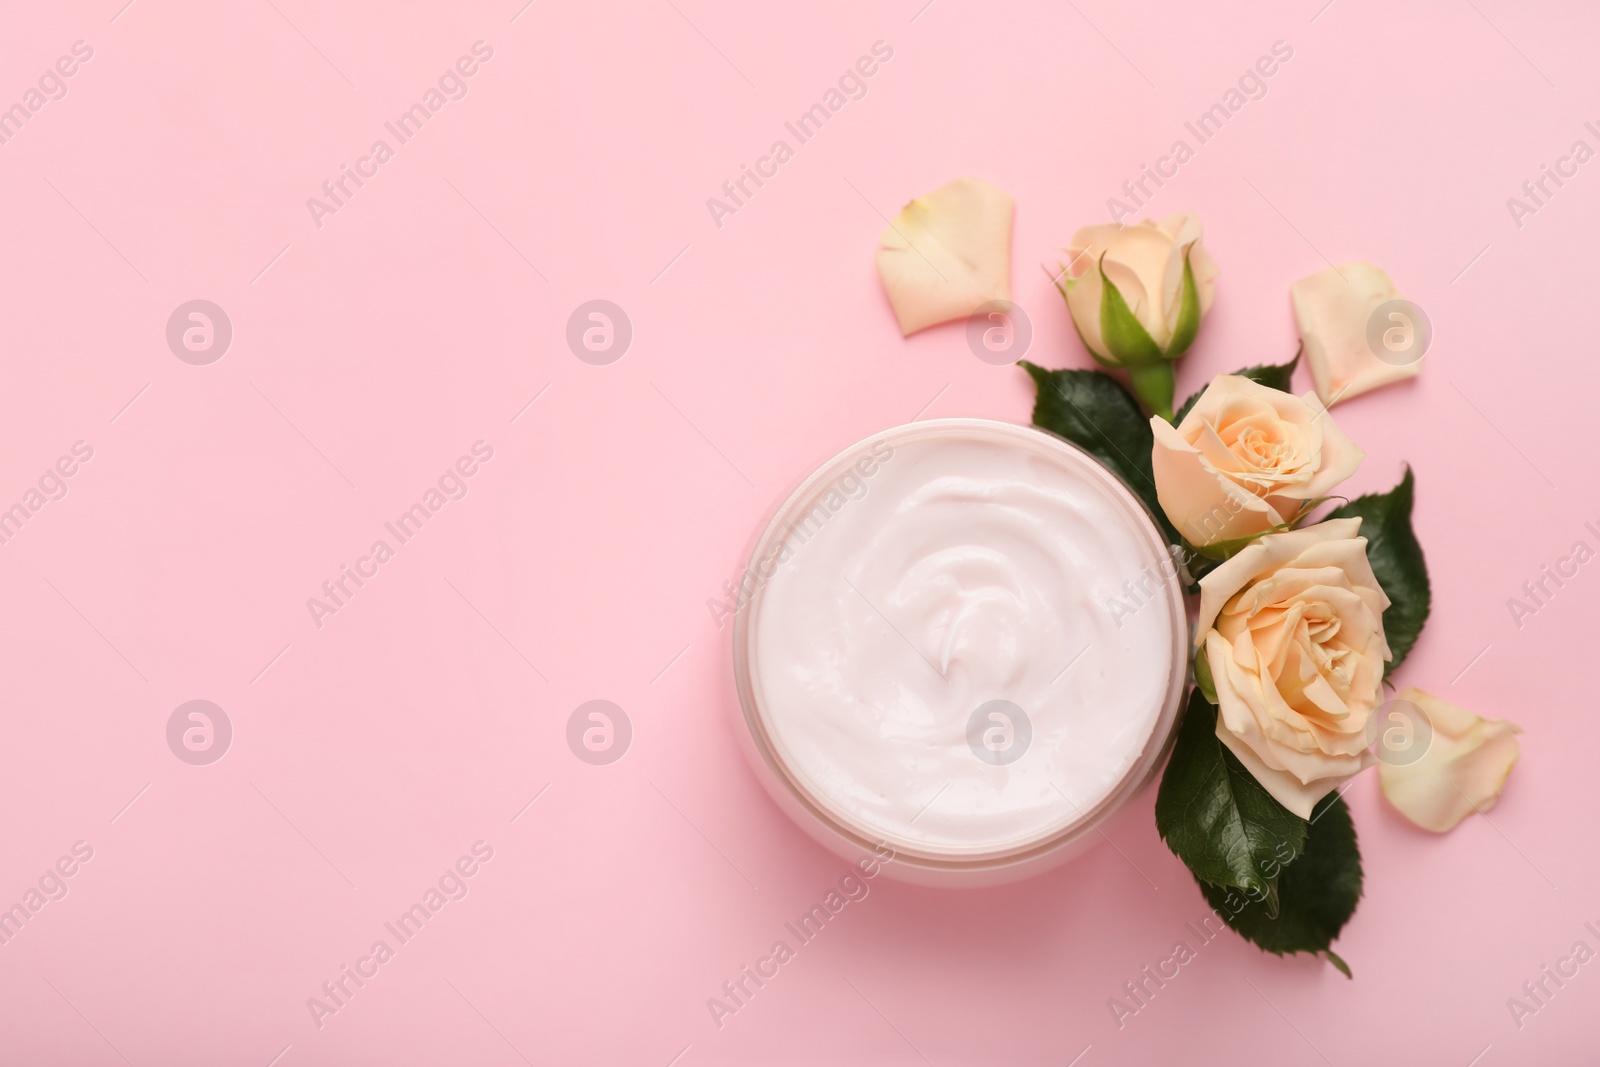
[976, 562]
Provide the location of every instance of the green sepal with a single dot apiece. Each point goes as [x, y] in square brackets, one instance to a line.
[1203, 681]
[1188, 325]
[1124, 335]
[1065, 287]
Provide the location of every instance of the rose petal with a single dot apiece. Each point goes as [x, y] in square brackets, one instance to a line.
[1196, 500]
[1340, 455]
[1333, 308]
[1462, 771]
[1083, 303]
[947, 253]
[1137, 266]
[1184, 226]
[1272, 552]
[1243, 736]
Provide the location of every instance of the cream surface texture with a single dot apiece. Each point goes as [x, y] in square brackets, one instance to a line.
[932, 574]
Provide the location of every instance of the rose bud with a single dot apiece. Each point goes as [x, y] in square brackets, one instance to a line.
[1137, 295]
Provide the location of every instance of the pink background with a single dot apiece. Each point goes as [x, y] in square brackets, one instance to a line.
[370, 753]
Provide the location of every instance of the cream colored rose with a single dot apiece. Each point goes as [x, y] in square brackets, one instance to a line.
[1145, 263]
[1349, 315]
[1292, 628]
[1462, 769]
[1246, 458]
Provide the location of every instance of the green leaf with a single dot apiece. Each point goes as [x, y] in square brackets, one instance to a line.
[1203, 680]
[1216, 817]
[1273, 376]
[1396, 560]
[1317, 891]
[1188, 325]
[1124, 335]
[1094, 412]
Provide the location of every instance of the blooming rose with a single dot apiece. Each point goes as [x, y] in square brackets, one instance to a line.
[1358, 333]
[1246, 458]
[1461, 770]
[1292, 629]
[1145, 263]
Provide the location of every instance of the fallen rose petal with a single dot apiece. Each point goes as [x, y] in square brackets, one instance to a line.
[947, 253]
[1335, 309]
[1462, 770]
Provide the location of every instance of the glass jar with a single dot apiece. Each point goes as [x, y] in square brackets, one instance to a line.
[991, 552]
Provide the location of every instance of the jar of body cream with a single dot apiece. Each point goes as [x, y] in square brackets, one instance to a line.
[961, 643]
